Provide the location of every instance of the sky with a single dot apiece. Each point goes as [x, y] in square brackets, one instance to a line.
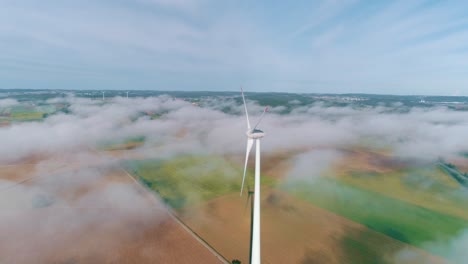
[328, 46]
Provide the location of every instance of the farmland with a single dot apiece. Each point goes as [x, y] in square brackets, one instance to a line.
[129, 143]
[143, 233]
[407, 223]
[339, 194]
[185, 181]
[204, 190]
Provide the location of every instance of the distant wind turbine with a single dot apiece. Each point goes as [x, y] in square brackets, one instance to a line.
[127, 95]
[102, 95]
[254, 135]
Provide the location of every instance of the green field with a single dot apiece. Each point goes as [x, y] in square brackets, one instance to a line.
[188, 180]
[427, 186]
[26, 116]
[127, 143]
[400, 220]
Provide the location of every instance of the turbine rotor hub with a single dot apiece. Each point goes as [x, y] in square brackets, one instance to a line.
[255, 134]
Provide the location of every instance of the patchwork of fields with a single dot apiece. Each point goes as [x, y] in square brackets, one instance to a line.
[70, 210]
[394, 215]
[339, 195]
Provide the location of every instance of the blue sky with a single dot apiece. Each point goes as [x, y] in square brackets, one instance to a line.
[384, 47]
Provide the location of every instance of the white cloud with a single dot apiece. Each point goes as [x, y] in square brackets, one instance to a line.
[315, 132]
[8, 102]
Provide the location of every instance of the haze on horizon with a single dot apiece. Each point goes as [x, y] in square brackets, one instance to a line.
[351, 46]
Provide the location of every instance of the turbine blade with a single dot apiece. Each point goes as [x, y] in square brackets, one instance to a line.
[249, 148]
[245, 107]
[261, 117]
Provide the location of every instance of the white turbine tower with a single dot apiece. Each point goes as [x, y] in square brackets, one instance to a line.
[254, 135]
[103, 96]
[127, 95]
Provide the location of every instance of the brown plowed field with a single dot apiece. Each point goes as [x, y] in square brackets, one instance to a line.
[294, 231]
[105, 219]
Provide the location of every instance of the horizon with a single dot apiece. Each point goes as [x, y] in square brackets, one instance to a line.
[224, 91]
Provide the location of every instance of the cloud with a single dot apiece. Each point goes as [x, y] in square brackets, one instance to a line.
[315, 135]
[312, 165]
[78, 209]
[8, 102]
[436, 132]
[457, 247]
[454, 249]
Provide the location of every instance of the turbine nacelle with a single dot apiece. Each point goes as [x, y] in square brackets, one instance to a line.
[255, 133]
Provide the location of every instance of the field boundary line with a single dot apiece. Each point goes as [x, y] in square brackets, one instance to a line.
[173, 215]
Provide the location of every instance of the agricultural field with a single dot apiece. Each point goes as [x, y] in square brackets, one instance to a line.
[296, 231]
[426, 205]
[126, 144]
[90, 218]
[26, 116]
[25, 113]
[187, 181]
[157, 178]
[407, 223]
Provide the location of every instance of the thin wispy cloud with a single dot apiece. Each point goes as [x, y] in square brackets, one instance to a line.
[405, 47]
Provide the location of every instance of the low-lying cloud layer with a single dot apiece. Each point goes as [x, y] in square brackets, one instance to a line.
[421, 133]
[8, 102]
[77, 207]
[314, 131]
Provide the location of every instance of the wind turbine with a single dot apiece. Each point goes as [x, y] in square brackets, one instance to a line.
[254, 135]
[127, 95]
[103, 96]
